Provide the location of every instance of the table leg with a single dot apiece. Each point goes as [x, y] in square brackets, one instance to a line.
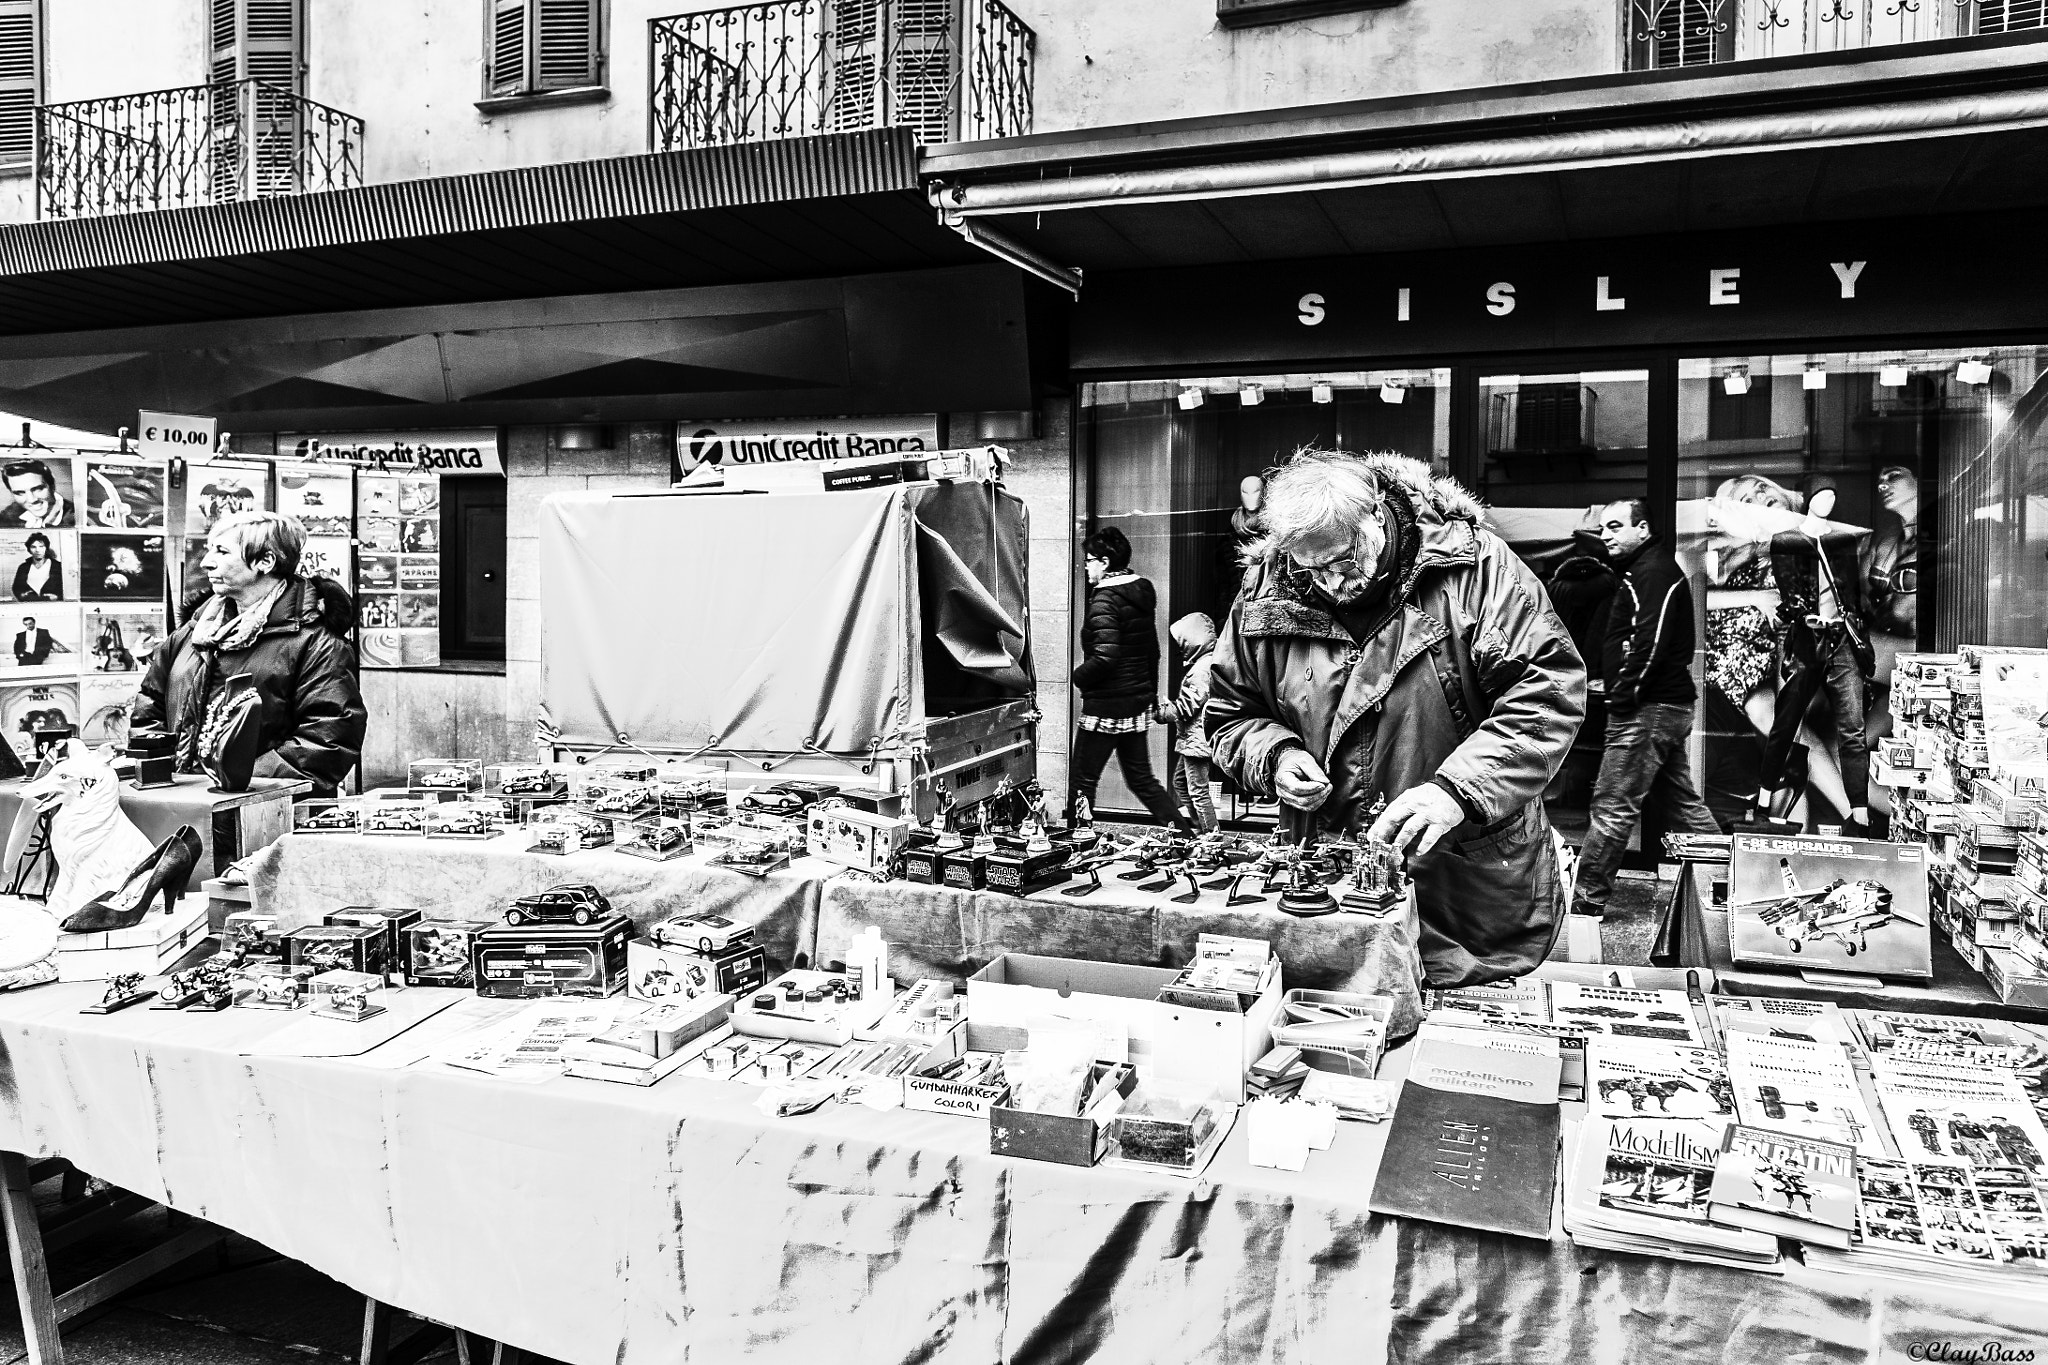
[25, 1253]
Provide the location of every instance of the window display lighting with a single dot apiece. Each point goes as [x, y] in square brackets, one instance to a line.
[1736, 381]
[1190, 399]
[1391, 391]
[1892, 376]
[1251, 395]
[1974, 371]
[1322, 393]
[1815, 377]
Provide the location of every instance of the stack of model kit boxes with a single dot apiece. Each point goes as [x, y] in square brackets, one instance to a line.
[1969, 799]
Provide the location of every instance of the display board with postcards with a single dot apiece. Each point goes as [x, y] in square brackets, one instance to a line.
[398, 527]
[84, 559]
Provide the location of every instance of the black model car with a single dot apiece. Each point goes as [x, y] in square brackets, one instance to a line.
[574, 902]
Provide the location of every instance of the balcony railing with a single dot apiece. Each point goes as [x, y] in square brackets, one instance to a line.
[199, 144]
[1668, 33]
[952, 70]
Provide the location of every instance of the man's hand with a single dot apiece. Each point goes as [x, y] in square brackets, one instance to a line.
[1417, 820]
[1299, 780]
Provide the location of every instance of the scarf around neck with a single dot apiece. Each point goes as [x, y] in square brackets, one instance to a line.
[213, 628]
[214, 632]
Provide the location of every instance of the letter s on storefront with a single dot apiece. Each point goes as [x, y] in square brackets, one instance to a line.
[1309, 309]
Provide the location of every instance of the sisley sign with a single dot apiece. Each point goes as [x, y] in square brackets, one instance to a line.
[704, 450]
[401, 452]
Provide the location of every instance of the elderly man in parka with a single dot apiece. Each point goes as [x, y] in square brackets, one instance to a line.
[1387, 648]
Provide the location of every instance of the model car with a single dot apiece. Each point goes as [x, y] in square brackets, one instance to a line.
[526, 782]
[573, 902]
[619, 796]
[395, 820]
[661, 836]
[706, 934]
[559, 827]
[773, 801]
[625, 772]
[332, 818]
[460, 819]
[447, 779]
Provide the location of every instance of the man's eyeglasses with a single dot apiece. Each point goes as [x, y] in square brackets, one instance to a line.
[1346, 567]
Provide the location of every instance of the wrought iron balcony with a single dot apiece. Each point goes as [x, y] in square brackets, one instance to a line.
[953, 70]
[1668, 33]
[198, 144]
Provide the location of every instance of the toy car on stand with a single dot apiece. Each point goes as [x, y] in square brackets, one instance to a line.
[709, 935]
[570, 903]
[514, 780]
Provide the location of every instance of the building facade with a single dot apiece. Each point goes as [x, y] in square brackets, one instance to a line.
[1568, 251]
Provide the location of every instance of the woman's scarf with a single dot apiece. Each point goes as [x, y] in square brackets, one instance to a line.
[214, 632]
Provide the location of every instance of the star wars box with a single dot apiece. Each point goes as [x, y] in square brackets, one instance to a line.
[532, 960]
[437, 952]
[341, 947]
[921, 858]
[1012, 868]
[1818, 902]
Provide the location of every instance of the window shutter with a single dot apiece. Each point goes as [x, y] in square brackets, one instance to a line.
[853, 56]
[2010, 16]
[224, 42]
[271, 48]
[505, 55]
[922, 41]
[20, 70]
[566, 50]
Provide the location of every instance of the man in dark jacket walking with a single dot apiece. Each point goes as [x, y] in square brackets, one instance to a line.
[1389, 649]
[1119, 677]
[1647, 665]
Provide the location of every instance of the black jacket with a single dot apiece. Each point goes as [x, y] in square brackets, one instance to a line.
[1582, 591]
[53, 587]
[1119, 670]
[305, 670]
[1649, 646]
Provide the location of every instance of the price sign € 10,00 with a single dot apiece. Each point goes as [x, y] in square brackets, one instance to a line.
[175, 436]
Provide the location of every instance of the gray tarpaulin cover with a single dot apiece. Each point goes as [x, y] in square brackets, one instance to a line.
[762, 622]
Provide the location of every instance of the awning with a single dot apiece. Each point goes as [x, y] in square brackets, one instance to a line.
[1940, 128]
[802, 208]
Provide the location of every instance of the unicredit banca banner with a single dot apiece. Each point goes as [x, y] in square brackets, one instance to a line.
[401, 452]
[705, 449]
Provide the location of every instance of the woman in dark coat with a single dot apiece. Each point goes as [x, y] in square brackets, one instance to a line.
[289, 634]
[1119, 677]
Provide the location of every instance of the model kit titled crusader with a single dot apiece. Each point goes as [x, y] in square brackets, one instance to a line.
[1842, 910]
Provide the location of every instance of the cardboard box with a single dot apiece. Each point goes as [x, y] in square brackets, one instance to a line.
[341, 947]
[2017, 981]
[533, 960]
[921, 858]
[149, 947]
[1828, 903]
[657, 973]
[1012, 869]
[438, 952]
[394, 922]
[963, 869]
[853, 838]
[1202, 1048]
[1070, 1140]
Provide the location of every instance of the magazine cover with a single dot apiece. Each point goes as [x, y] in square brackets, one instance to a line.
[1523, 998]
[1632, 1080]
[1810, 1021]
[1664, 1169]
[2015, 708]
[327, 557]
[121, 639]
[41, 493]
[1949, 1039]
[40, 566]
[1955, 1113]
[41, 640]
[1948, 1211]
[219, 490]
[30, 710]
[321, 498]
[1814, 901]
[1807, 1089]
[1793, 1186]
[1659, 1015]
[117, 566]
[120, 496]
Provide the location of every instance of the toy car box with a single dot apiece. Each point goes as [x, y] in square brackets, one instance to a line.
[616, 797]
[526, 961]
[464, 819]
[393, 922]
[524, 779]
[327, 817]
[250, 934]
[341, 947]
[1822, 902]
[853, 838]
[657, 838]
[444, 774]
[1069, 1139]
[683, 788]
[655, 972]
[395, 817]
[437, 952]
[563, 830]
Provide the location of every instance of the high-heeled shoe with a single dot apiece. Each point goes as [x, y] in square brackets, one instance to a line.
[166, 870]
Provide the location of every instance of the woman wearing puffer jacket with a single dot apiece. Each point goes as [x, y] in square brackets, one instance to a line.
[1118, 677]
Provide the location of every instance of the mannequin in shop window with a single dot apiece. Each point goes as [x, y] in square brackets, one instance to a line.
[1891, 561]
[1826, 654]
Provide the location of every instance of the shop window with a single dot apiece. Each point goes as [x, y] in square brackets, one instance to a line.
[1173, 464]
[541, 47]
[473, 568]
[21, 81]
[1738, 414]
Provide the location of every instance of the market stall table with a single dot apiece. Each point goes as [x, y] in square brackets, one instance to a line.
[941, 931]
[607, 1225]
[230, 825]
[305, 876]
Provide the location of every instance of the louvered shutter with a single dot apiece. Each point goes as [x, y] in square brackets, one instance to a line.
[20, 61]
[566, 50]
[922, 39]
[505, 54]
[2010, 16]
[272, 50]
[853, 65]
[224, 41]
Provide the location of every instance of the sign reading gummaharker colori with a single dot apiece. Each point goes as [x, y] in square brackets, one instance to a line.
[401, 452]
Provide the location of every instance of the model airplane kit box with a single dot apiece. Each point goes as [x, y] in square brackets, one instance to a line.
[1810, 901]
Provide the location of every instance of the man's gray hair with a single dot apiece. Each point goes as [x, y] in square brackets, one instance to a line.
[256, 534]
[1316, 491]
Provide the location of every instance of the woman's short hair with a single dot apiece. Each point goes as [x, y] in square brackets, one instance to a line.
[1317, 491]
[33, 537]
[1106, 542]
[257, 534]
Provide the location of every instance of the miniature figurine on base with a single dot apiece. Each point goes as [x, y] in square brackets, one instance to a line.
[122, 991]
[350, 1004]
